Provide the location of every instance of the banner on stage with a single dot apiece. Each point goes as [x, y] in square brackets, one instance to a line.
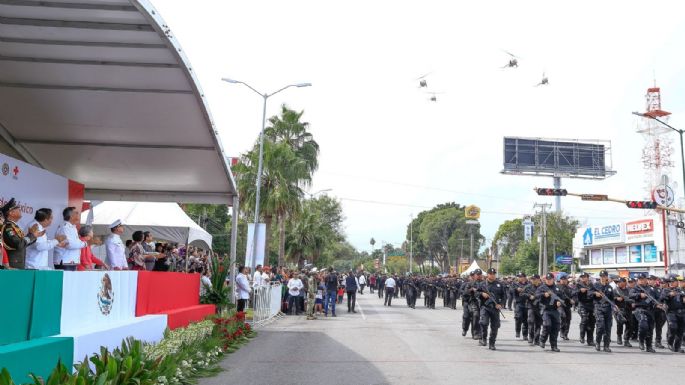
[34, 188]
[261, 238]
[96, 299]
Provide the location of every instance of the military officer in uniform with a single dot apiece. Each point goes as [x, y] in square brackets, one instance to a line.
[14, 241]
[548, 296]
[603, 312]
[492, 296]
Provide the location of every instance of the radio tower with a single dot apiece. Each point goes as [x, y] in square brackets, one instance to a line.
[656, 154]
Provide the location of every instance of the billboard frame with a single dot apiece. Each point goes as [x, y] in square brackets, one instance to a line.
[597, 171]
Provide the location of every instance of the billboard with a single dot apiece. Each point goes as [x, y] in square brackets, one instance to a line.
[557, 157]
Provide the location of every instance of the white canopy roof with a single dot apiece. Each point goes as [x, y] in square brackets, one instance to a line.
[474, 266]
[99, 91]
[167, 221]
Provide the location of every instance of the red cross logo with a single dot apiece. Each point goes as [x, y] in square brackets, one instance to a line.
[16, 170]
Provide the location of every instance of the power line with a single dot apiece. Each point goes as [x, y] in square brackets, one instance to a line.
[454, 191]
[483, 211]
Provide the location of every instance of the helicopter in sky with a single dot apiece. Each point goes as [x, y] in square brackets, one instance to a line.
[513, 61]
[433, 96]
[544, 81]
[423, 83]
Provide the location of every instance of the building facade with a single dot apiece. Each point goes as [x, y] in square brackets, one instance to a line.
[625, 248]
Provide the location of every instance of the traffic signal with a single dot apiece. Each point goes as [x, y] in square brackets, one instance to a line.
[642, 204]
[551, 191]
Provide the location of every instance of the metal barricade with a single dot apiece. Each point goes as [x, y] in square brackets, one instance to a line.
[267, 304]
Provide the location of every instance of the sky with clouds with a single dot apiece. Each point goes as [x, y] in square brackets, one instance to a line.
[388, 152]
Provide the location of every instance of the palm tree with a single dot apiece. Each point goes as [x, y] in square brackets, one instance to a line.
[288, 128]
[290, 159]
[280, 193]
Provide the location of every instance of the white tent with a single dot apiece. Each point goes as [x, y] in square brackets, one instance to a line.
[166, 221]
[474, 266]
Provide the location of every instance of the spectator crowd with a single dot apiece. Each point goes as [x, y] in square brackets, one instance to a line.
[71, 247]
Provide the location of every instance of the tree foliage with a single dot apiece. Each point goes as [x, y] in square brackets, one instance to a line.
[518, 255]
[438, 233]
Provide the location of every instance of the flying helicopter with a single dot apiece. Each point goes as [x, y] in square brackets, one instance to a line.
[544, 81]
[423, 83]
[513, 61]
[433, 97]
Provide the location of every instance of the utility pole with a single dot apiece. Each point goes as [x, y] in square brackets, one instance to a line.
[542, 260]
[471, 252]
[461, 255]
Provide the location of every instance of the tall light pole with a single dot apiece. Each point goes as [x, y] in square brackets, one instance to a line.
[682, 151]
[265, 96]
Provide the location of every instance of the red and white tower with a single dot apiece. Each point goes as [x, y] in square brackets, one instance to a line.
[657, 151]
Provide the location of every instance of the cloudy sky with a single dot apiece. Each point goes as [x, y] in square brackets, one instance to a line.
[386, 151]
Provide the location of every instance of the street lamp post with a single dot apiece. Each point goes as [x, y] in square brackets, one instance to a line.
[265, 96]
[682, 151]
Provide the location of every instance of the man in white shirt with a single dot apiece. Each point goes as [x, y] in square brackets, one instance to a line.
[389, 290]
[37, 254]
[242, 285]
[116, 250]
[257, 277]
[362, 283]
[69, 256]
[295, 286]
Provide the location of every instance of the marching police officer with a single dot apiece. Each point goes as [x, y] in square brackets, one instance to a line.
[548, 296]
[533, 309]
[674, 299]
[624, 325]
[659, 313]
[471, 314]
[586, 309]
[645, 304]
[601, 292]
[491, 294]
[566, 294]
[520, 301]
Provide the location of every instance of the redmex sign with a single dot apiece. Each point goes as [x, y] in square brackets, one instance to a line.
[640, 227]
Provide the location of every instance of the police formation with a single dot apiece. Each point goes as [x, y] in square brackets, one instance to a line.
[543, 307]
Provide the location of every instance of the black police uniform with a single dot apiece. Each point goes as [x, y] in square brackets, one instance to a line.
[566, 312]
[489, 314]
[586, 310]
[603, 314]
[520, 312]
[624, 325]
[534, 315]
[659, 321]
[644, 313]
[471, 314]
[551, 321]
[673, 298]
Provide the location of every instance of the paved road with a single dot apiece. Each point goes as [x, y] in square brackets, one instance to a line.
[397, 345]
